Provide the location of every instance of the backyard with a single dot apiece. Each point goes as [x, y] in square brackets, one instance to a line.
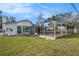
[36, 46]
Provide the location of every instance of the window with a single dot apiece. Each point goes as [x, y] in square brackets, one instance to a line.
[19, 29]
[4, 30]
[26, 30]
[10, 29]
[0, 30]
[7, 29]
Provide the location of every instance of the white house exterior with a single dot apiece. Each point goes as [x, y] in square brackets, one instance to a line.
[9, 29]
[21, 27]
[24, 27]
[49, 30]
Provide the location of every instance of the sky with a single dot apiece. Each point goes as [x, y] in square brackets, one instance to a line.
[31, 11]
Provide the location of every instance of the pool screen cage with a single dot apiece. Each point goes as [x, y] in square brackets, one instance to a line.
[54, 29]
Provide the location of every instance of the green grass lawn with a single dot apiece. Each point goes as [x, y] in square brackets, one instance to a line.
[34, 45]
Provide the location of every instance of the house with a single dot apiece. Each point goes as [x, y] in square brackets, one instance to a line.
[49, 29]
[22, 27]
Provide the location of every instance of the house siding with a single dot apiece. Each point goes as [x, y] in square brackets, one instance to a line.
[10, 29]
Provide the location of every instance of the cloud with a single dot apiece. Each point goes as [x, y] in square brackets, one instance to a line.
[16, 8]
[48, 11]
[25, 16]
[52, 11]
[29, 11]
[23, 8]
[20, 10]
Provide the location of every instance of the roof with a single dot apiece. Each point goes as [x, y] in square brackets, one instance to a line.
[24, 20]
[58, 23]
[9, 23]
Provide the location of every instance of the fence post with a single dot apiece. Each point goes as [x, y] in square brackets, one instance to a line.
[54, 29]
[61, 30]
[66, 29]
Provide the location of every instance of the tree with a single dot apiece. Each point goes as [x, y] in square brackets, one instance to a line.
[12, 19]
[61, 17]
[67, 18]
[49, 19]
[53, 18]
[1, 13]
[1, 20]
[75, 20]
[40, 19]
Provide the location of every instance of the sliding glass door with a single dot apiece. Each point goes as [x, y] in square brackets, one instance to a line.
[24, 30]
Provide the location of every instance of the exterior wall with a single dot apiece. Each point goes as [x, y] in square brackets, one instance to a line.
[7, 27]
[11, 28]
[4, 19]
[76, 30]
[1, 34]
[24, 24]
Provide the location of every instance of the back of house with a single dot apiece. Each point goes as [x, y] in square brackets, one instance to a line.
[9, 27]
